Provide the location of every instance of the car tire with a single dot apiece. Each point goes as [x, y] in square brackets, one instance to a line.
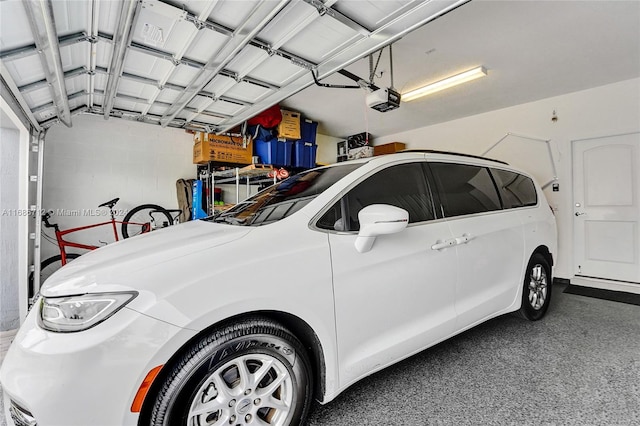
[536, 292]
[254, 368]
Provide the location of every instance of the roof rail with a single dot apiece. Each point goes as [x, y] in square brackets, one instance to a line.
[433, 151]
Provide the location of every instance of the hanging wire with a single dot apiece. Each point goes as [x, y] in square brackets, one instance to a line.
[391, 64]
[372, 68]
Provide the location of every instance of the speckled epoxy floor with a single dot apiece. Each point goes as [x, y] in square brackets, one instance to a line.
[580, 365]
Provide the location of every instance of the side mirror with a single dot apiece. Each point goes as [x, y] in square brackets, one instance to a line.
[379, 219]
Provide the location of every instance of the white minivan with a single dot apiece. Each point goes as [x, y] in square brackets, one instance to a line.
[293, 294]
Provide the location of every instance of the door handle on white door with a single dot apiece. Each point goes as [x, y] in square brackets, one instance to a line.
[440, 245]
[580, 213]
[464, 239]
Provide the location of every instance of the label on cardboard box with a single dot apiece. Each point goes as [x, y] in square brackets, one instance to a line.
[289, 127]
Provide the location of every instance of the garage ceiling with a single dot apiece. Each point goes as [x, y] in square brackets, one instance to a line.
[205, 65]
[209, 65]
[531, 49]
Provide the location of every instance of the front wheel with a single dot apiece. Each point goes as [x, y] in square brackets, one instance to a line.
[536, 294]
[252, 372]
[145, 218]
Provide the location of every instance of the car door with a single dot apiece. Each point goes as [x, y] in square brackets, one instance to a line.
[489, 240]
[397, 298]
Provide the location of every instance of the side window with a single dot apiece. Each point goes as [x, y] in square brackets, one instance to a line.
[403, 186]
[465, 189]
[331, 219]
[515, 189]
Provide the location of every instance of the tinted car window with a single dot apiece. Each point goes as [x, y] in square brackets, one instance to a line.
[515, 189]
[465, 189]
[403, 186]
[285, 198]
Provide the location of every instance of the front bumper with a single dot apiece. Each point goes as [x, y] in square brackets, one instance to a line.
[85, 378]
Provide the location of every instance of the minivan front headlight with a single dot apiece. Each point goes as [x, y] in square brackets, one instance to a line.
[77, 313]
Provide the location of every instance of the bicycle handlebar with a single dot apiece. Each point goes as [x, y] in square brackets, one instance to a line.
[45, 219]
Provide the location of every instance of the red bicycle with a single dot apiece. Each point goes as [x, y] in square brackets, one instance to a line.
[139, 220]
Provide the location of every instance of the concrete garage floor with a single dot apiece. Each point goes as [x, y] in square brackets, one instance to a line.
[580, 365]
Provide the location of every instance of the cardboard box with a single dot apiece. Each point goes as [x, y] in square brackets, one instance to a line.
[289, 127]
[222, 149]
[362, 152]
[389, 148]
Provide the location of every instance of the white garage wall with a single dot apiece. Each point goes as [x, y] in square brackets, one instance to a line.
[9, 219]
[97, 160]
[327, 149]
[14, 220]
[608, 110]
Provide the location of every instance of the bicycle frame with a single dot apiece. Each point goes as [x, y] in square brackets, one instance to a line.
[62, 243]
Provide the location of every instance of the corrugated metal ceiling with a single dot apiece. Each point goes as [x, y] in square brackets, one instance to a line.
[203, 65]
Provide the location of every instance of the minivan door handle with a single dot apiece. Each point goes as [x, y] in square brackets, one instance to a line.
[440, 245]
[464, 239]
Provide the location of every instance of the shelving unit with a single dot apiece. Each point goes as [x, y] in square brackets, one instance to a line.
[254, 174]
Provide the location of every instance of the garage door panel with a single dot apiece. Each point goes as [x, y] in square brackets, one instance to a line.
[26, 70]
[38, 97]
[168, 95]
[183, 75]
[326, 35]
[227, 108]
[74, 56]
[248, 92]
[277, 70]
[71, 17]
[76, 84]
[205, 44]
[295, 17]
[14, 32]
[248, 59]
[232, 14]
[139, 63]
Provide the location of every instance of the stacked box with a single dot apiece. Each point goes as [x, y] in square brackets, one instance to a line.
[389, 148]
[222, 148]
[304, 154]
[275, 152]
[308, 131]
[361, 152]
[289, 127]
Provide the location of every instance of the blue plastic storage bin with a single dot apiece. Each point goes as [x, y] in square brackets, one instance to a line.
[308, 129]
[304, 154]
[283, 155]
[266, 150]
[273, 152]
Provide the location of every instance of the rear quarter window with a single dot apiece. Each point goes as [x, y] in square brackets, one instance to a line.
[516, 190]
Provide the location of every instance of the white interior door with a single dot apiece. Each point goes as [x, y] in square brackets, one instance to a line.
[606, 178]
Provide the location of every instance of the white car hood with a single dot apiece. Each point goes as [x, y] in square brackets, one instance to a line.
[109, 266]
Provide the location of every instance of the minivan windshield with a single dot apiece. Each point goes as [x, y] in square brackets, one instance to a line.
[284, 198]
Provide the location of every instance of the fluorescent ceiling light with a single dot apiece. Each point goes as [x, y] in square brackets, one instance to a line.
[444, 84]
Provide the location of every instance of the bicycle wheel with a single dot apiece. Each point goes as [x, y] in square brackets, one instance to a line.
[48, 267]
[145, 218]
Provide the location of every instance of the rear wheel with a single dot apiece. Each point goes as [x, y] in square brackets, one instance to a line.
[253, 372]
[536, 294]
[48, 267]
[145, 218]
